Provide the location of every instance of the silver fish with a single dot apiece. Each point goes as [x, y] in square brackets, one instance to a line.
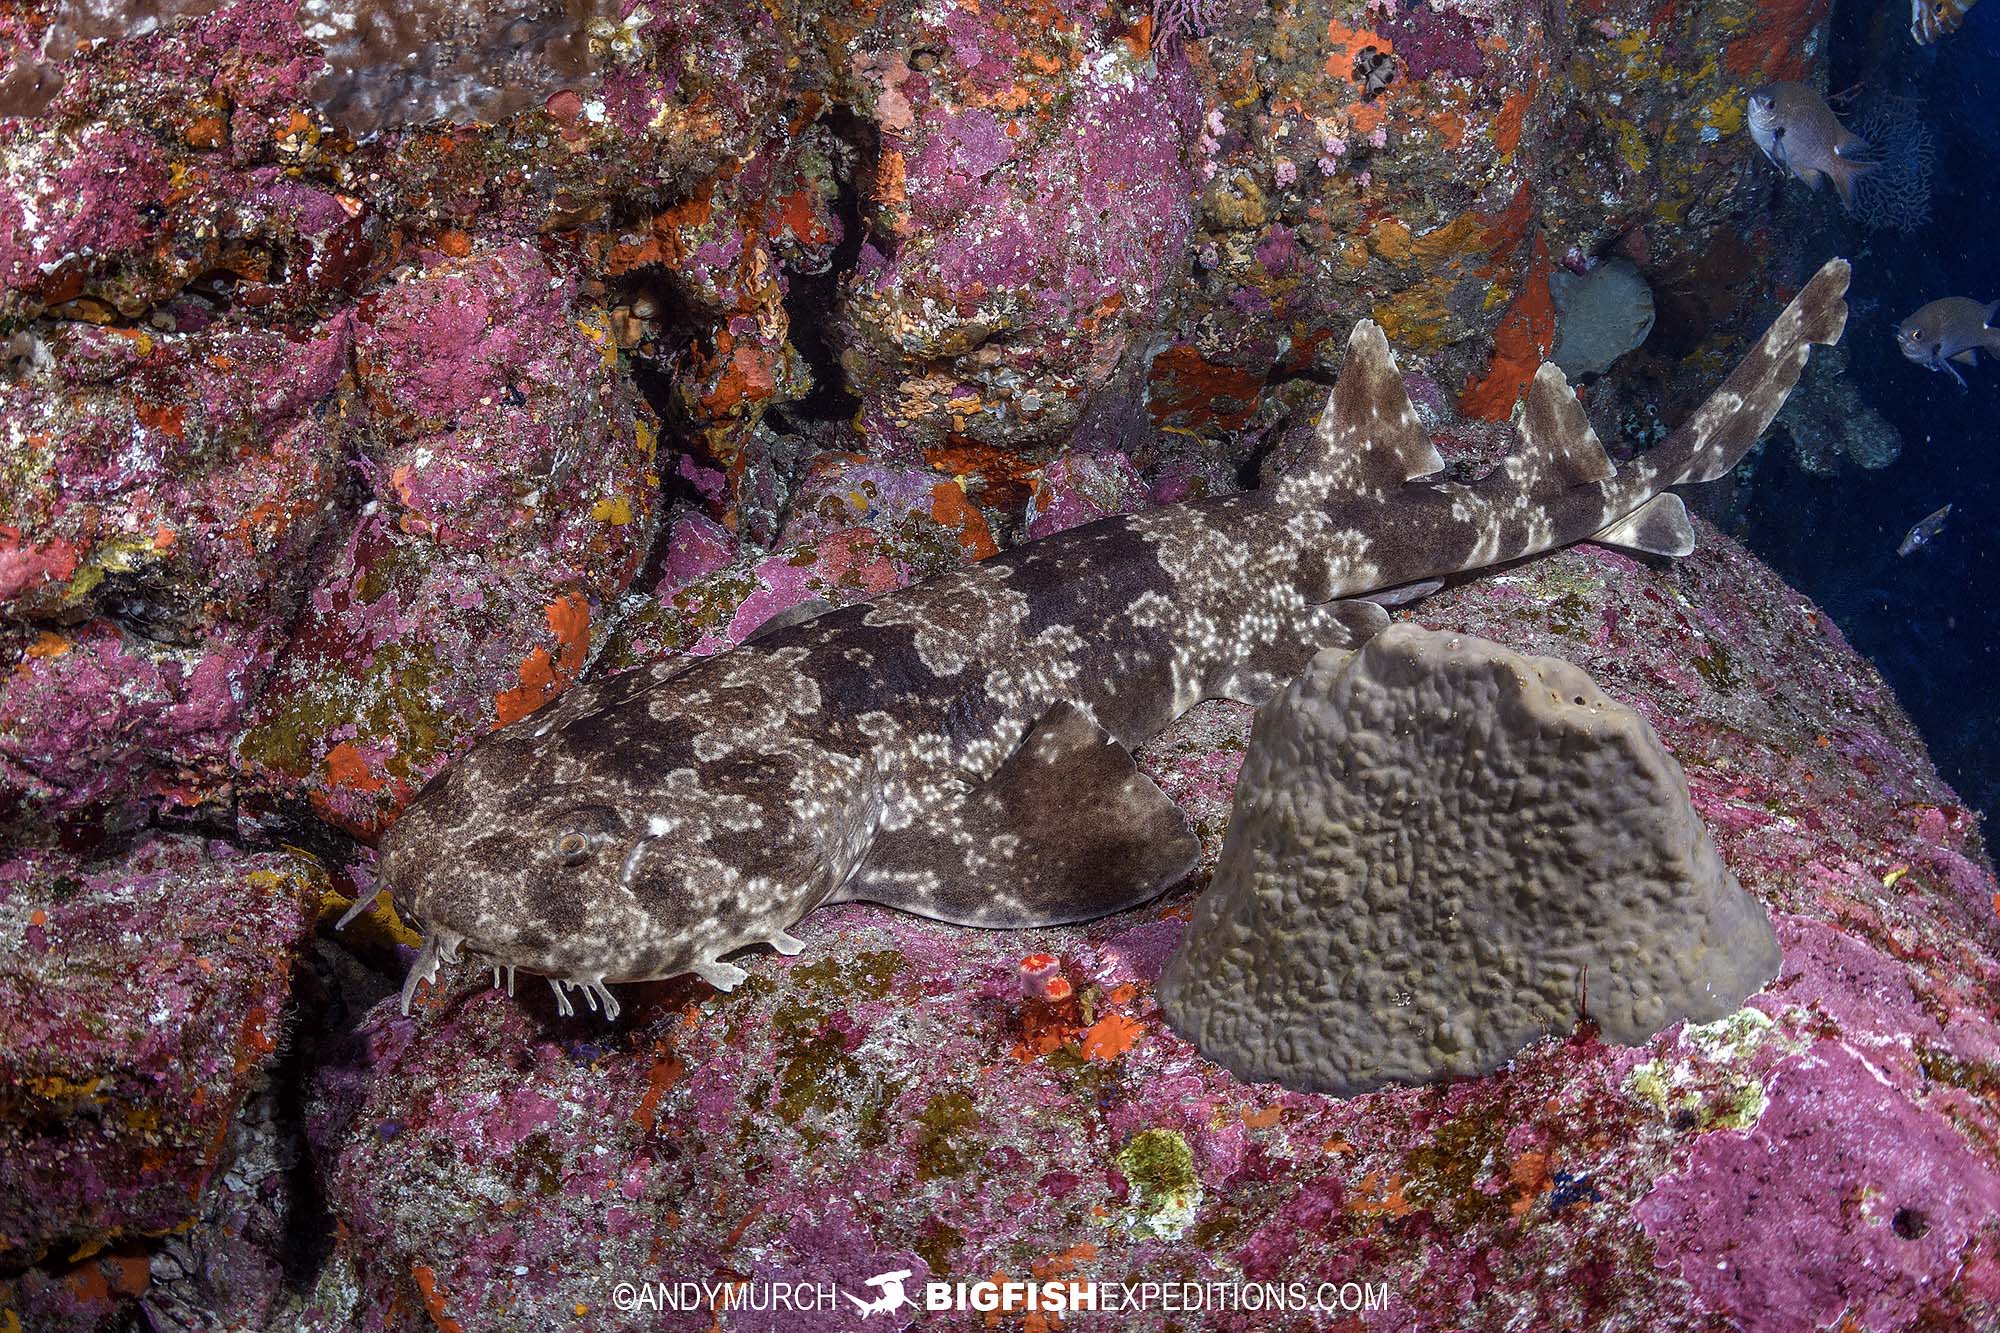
[1799, 132]
[1953, 329]
[1932, 19]
[1924, 531]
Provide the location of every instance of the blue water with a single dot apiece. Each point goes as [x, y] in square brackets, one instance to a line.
[1929, 621]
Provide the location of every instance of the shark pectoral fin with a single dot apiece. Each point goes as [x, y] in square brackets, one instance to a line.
[810, 609]
[1658, 527]
[1066, 829]
[1349, 623]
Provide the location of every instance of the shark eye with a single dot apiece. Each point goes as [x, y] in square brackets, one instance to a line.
[572, 849]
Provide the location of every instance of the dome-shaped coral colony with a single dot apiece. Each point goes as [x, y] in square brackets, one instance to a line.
[375, 374]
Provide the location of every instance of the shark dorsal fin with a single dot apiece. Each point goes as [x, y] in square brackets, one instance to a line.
[1369, 439]
[1558, 448]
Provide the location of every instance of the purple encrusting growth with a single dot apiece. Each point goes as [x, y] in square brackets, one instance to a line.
[1186, 18]
[1894, 1197]
[508, 466]
[1071, 234]
[1429, 41]
[390, 66]
[137, 1000]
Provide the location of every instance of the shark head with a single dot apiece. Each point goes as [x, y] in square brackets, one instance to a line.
[503, 862]
[601, 841]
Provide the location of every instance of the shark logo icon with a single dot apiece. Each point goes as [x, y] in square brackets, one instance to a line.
[892, 1296]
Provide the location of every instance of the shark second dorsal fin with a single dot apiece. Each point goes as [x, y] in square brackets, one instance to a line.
[1369, 440]
[1658, 527]
[1558, 448]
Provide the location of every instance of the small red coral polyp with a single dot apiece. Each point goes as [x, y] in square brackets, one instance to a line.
[1041, 978]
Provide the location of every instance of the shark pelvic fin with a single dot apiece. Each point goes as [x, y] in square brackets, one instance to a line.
[1066, 829]
[1369, 438]
[1403, 596]
[1658, 527]
[1558, 448]
[1347, 624]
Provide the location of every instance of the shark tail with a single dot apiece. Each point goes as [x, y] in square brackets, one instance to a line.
[1558, 485]
[1723, 429]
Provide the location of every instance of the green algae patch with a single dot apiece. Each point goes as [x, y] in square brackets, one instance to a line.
[1165, 1192]
[1717, 669]
[945, 1143]
[1569, 616]
[1703, 1083]
[866, 976]
[1445, 1174]
[817, 1070]
[937, 1245]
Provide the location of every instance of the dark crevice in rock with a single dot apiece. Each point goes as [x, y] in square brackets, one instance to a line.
[675, 326]
[812, 300]
[323, 1017]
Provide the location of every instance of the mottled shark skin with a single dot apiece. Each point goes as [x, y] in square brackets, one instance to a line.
[962, 748]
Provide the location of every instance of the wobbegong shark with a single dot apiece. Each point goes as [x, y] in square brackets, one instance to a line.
[962, 748]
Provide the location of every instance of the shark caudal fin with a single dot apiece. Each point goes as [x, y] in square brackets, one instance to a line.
[1721, 431]
[1558, 486]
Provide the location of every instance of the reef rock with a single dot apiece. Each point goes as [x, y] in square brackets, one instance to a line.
[139, 999]
[329, 442]
[1441, 851]
[164, 491]
[897, 1098]
[1828, 426]
[512, 497]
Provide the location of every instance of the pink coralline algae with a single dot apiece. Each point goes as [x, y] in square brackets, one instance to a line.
[137, 1000]
[1850, 1197]
[1082, 488]
[1029, 262]
[856, 529]
[511, 470]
